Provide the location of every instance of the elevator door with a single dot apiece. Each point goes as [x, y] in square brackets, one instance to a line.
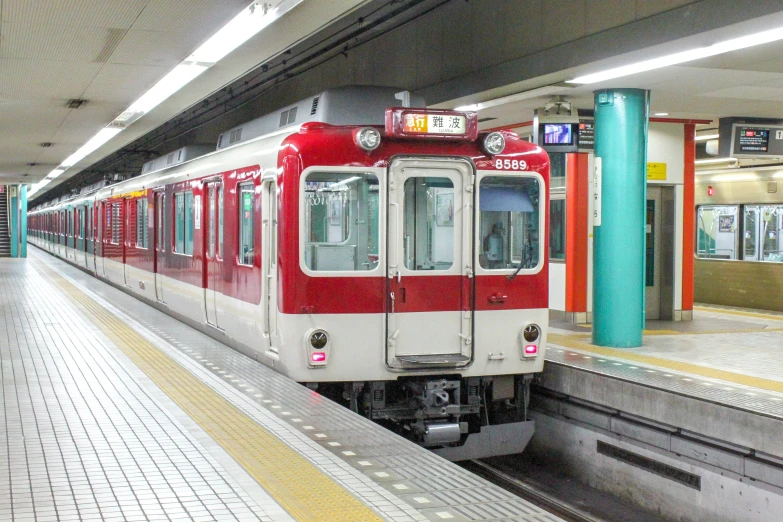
[659, 261]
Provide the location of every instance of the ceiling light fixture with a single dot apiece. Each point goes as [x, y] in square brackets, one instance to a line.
[661, 113]
[704, 137]
[715, 160]
[743, 42]
[249, 22]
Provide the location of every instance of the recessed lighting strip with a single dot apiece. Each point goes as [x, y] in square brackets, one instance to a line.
[249, 22]
[743, 42]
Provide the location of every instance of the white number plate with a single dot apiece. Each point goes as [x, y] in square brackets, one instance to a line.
[509, 164]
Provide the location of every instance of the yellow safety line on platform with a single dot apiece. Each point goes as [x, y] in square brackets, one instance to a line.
[296, 484]
[695, 369]
[758, 315]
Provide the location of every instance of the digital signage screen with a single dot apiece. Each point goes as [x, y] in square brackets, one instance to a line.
[753, 140]
[558, 134]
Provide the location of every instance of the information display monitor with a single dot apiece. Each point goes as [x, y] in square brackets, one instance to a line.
[558, 134]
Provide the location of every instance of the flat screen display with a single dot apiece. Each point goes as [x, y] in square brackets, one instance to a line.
[753, 140]
[558, 134]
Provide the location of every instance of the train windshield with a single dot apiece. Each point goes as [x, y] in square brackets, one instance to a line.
[509, 222]
[341, 221]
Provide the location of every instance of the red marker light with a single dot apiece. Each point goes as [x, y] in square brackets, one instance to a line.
[710, 190]
[317, 357]
[531, 349]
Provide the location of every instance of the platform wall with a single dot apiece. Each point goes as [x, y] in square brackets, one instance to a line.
[745, 284]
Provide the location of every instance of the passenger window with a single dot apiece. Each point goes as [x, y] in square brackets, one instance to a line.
[341, 221]
[557, 223]
[428, 210]
[183, 223]
[246, 250]
[771, 228]
[142, 214]
[750, 233]
[220, 222]
[509, 222]
[116, 223]
[716, 231]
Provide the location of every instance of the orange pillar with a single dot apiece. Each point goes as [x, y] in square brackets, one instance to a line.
[688, 218]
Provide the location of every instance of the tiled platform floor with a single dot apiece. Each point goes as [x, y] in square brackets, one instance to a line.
[101, 440]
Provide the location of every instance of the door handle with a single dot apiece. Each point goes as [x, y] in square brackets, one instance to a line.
[498, 298]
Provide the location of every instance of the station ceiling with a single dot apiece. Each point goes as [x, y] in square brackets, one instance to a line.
[109, 52]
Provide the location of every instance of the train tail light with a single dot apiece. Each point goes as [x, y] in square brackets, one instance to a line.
[530, 340]
[318, 345]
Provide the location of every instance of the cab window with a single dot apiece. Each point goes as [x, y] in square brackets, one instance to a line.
[509, 221]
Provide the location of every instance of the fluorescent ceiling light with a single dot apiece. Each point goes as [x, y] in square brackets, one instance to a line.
[524, 95]
[240, 29]
[734, 44]
[705, 137]
[661, 114]
[104, 135]
[715, 160]
[56, 172]
[179, 76]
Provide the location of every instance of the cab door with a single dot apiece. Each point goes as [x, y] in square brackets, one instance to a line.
[430, 263]
[213, 256]
[269, 261]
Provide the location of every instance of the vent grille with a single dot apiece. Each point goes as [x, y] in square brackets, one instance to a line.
[170, 159]
[288, 117]
[314, 107]
[220, 141]
[235, 136]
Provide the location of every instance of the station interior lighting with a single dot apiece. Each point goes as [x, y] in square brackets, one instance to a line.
[711, 161]
[705, 137]
[249, 22]
[743, 42]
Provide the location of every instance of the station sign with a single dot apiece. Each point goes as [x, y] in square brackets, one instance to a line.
[431, 123]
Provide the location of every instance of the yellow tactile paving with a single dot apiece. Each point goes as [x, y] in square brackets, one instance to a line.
[758, 315]
[296, 484]
[568, 341]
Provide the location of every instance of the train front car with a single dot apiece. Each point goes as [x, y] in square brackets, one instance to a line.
[413, 278]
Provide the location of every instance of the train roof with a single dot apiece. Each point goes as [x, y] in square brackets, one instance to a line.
[349, 105]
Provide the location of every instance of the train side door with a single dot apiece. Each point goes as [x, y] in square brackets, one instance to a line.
[430, 263]
[127, 237]
[269, 260]
[159, 250]
[213, 255]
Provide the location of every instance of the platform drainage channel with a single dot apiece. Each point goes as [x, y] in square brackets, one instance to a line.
[651, 465]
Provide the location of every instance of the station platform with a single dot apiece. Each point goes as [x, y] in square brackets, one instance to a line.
[710, 390]
[112, 410]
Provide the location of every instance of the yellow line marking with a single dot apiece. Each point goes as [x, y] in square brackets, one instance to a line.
[695, 332]
[758, 315]
[695, 369]
[296, 484]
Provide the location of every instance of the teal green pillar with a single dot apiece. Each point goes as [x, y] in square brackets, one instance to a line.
[15, 224]
[23, 219]
[618, 241]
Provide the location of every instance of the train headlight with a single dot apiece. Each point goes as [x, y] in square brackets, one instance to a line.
[494, 143]
[531, 333]
[317, 346]
[368, 138]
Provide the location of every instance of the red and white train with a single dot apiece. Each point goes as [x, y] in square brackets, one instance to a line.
[394, 259]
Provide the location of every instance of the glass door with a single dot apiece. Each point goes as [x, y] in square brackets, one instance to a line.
[213, 254]
[429, 263]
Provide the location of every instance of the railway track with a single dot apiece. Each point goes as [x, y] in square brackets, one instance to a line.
[530, 492]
